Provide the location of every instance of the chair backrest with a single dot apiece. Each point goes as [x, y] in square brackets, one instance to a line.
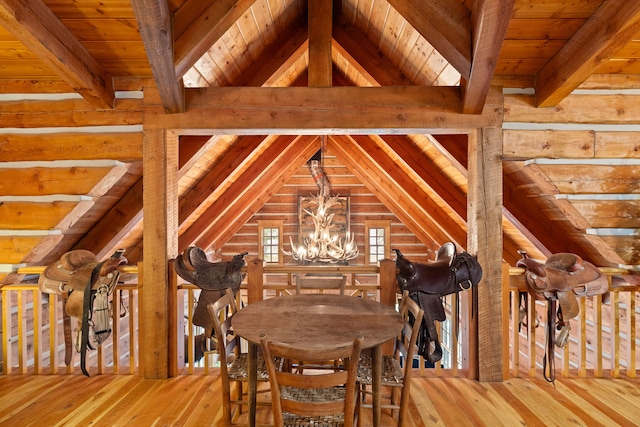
[344, 379]
[221, 311]
[408, 336]
[320, 283]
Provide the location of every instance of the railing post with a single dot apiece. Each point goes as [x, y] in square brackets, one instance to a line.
[255, 280]
[388, 290]
[176, 323]
[388, 287]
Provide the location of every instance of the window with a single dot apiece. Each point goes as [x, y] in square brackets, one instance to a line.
[378, 241]
[270, 235]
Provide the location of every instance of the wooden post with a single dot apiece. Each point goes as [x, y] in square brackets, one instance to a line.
[160, 237]
[388, 286]
[388, 290]
[176, 323]
[484, 239]
[255, 280]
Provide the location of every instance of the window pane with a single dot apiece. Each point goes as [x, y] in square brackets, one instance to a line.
[270, 247]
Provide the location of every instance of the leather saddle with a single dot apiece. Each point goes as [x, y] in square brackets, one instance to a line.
[213, 278]
[85, 285]
[560, 280]
[427, 283]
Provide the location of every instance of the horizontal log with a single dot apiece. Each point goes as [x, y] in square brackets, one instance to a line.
[38, 181]
[609, 213]
[125, 146]
[33, 216]
[575, 109]
[593, 179]
[68, 112]
[13, 250]
[531, 144]
[337, 110]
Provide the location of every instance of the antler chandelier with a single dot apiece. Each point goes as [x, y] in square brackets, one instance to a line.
[321, 245]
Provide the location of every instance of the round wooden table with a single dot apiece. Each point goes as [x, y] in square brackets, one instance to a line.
[311, 320]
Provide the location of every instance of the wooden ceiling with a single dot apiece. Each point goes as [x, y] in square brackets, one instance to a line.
[77, 78]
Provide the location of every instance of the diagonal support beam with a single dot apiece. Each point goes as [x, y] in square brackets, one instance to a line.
[202, 32]
[446, 26]
[267, 172]
[614, 24]
[489, 26]
[154, 22]
[44, 34]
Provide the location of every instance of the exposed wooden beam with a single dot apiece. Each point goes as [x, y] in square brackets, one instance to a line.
[455, 146]
[489, 21]
[160, 206]
[454, 196]
[104, 236]
[484, 220]
[256, 185]
[428, 209]
[300, 110]
[219, 177]
[365, 57]
[614, 24]
[121, 146]
[277, 58]
[35, 25]
[446, 26]
[374, 177]
[320, 32]
[154, 23]
[202, 32]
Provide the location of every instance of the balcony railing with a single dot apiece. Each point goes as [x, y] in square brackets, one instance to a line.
[603, 338]
[603, 342]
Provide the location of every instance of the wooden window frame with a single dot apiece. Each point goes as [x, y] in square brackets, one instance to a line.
[386, 225]
[272, 223]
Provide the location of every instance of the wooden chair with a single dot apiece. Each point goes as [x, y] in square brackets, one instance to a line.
[320, 283]
[326, 397]
[234, 369]
[396, 369]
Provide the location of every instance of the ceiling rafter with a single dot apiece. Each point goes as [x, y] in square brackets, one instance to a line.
[245, 149]
[154, 23]
[247, 195]
[364, 56]
[385, 189]
[445, 24]
[590, 46]
[278, 58]
[446, 223]
[203, 31]
[35, 25]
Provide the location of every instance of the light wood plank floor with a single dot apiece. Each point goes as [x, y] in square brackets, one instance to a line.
[112, 400]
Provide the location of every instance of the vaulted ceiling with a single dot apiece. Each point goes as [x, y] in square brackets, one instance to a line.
[68, 66]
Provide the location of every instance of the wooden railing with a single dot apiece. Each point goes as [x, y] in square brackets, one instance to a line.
[603, 340]
[33, 337]
[269, 281]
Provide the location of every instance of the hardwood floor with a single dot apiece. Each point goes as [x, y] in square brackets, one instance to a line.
[191, 400]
